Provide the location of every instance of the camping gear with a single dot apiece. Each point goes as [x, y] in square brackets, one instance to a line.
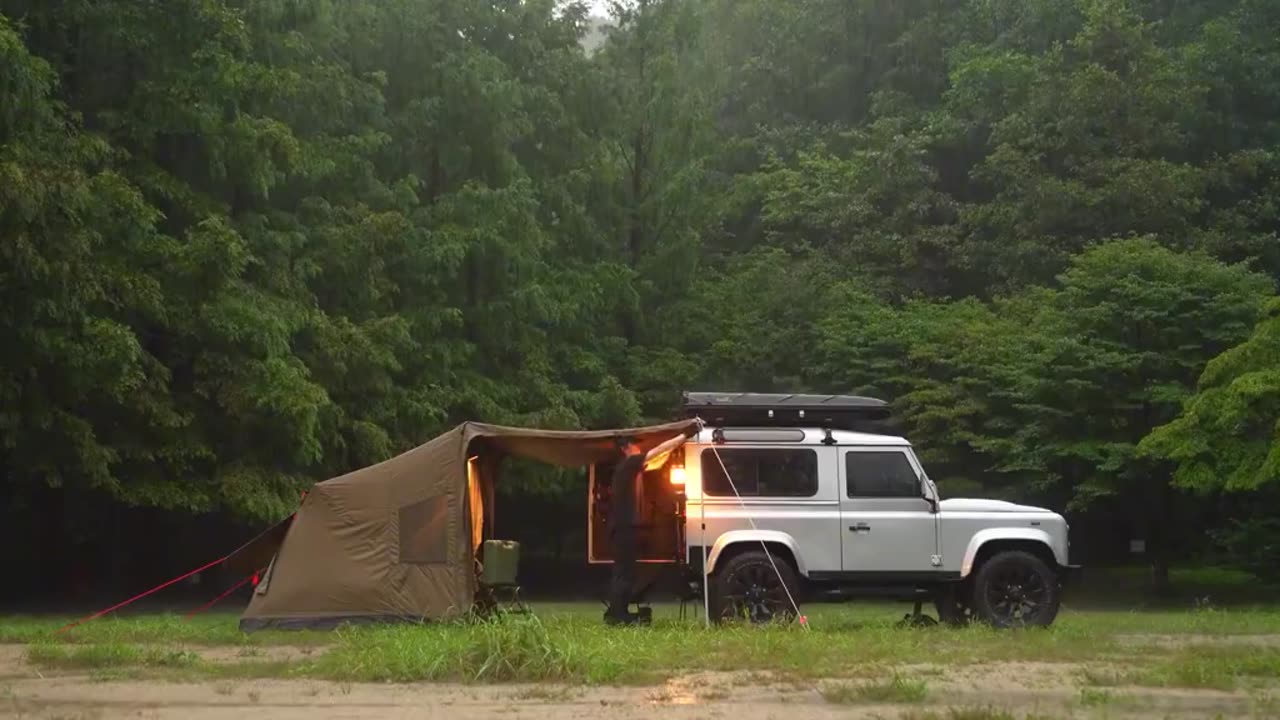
[498, 591]
[398, 540]
[761, 410]
[501, 559]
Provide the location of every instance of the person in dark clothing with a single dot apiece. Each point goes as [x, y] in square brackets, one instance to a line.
[623, 534]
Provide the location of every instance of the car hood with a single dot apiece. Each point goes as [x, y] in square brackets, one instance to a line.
[979, 505]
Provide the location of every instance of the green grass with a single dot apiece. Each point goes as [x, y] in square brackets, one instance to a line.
[1217, 668]
[1093, 697]
[109, 655]
[567, 643]
[897, 689]
[220, 628]
[1075, 621]
[1205, 667]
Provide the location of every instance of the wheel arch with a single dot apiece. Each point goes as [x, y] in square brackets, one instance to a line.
[735, 542]
[986, 543]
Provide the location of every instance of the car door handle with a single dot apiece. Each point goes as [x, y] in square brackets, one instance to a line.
[860, 528]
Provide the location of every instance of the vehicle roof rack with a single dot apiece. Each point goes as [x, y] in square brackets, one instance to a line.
[840, 412]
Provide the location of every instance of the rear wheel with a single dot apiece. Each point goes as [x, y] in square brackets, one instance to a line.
[749, 588]
[1016, 589]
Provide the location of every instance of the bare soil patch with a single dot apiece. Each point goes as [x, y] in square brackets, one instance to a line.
[1045, 689]
[257, 653]
[1191, 639]
[13, 662]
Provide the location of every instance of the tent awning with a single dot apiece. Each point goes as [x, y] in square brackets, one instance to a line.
[257, 553]
[574, 448]
[566, 448]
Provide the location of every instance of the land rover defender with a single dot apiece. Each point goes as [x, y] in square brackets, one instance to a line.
[780, 499]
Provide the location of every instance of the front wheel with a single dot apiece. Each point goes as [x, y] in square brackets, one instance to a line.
[754, 587]
[1016, 589]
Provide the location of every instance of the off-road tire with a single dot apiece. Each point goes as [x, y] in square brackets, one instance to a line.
[748, 589]
[1016, 589]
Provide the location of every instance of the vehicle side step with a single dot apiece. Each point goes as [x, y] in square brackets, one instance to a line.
[897, 592]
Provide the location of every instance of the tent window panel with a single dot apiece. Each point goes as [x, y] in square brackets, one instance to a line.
[424, 531]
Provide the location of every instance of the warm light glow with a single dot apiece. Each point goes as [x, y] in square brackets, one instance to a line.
[677, 475]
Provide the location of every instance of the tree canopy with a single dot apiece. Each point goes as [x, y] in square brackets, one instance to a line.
[250, 245]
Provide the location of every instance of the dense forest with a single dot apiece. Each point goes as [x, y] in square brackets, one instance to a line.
[251, 244]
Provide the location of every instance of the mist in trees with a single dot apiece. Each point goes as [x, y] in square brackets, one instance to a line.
[250, 244]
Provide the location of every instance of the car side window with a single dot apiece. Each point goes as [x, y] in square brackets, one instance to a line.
[886, 474]
[759, 472]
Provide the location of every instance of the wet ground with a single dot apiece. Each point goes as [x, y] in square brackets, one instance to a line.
[988, 690]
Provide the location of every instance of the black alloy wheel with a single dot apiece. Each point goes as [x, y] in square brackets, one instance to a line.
[1016, 589]
[1017, 593]
[750, 589]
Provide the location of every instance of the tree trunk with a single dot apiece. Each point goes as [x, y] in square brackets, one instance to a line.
[1160, 575]
[1158, 542]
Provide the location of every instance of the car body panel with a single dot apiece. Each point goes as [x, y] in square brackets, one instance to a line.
[906, 535]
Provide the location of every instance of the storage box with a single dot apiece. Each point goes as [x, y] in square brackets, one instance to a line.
[501, 559]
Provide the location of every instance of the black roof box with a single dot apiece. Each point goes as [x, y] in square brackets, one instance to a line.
[847, 412]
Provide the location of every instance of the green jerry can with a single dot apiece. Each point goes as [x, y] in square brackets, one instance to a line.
[501, 558]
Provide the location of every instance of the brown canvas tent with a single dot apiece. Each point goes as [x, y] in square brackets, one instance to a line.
[397, 540]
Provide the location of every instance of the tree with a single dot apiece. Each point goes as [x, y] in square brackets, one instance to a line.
[1227, 437]
[81, 257]
[950, 370]
[250, 245]
[1227, 440]
[1127, 335]
[661, 125]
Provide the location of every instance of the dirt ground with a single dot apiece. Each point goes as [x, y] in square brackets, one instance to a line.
[1037, 689]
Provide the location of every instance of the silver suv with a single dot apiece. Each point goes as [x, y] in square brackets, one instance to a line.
[787, 497]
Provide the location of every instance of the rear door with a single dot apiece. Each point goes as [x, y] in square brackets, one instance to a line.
[886, 524]
[791, 490]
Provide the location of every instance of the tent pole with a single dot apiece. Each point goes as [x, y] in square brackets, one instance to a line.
[702, 541]
[706, 577]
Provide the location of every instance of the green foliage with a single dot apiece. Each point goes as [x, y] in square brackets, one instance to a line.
[1134, 324]
[1048, 393]
[281, 247]
[1228, 435]
[247, 246]
[1251, 542]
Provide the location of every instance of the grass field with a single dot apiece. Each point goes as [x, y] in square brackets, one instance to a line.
[849, 654]
[567, 642]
